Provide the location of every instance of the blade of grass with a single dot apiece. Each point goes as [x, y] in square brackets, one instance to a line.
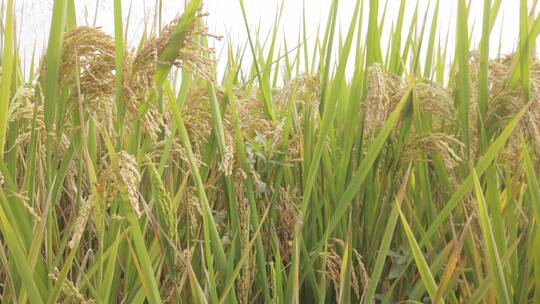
[423, 267]
[384, 248]
[7, 70]
[492, 254]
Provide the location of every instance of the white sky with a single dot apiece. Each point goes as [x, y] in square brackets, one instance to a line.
[226, 18]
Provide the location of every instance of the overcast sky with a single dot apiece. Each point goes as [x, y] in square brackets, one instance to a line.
[226, 19]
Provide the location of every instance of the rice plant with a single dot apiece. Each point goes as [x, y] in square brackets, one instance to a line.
[142, 175]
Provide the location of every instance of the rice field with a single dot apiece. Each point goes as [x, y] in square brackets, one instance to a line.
[139, 174]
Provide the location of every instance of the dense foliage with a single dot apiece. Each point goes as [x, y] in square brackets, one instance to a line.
[141, 176]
